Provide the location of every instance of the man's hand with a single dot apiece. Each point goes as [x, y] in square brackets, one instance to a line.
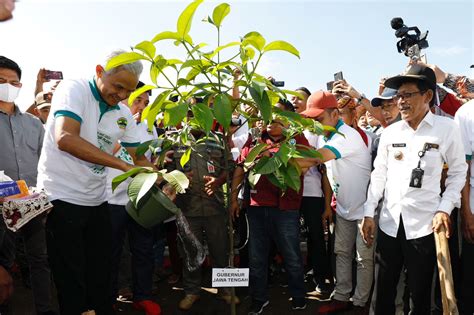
[6, 285]
[234, 209]
[6, 9]
[367, 230]
[326, 218]
[345, 88]
[211, 185]
[440, 74]
[467, 225]
[442, 219]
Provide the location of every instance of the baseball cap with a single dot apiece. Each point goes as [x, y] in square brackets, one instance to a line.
[42, 100]
[415, 72]
[318, 102]
[387, 94]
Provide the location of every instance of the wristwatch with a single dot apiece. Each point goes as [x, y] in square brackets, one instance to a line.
[360, 98]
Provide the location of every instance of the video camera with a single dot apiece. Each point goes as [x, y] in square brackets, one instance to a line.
[410, 44]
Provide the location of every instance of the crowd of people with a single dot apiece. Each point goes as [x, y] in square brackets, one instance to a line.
[391, 172]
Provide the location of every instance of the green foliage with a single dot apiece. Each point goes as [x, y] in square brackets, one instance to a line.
[220, 12]
[204, 72]
[177, 180]
[140, 185]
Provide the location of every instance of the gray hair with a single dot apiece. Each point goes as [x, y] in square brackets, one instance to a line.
[135, 67]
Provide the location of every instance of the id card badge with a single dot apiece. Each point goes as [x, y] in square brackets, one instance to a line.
[416, 179]
[211, 169]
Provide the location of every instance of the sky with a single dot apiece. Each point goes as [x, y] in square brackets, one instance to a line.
[351, 36]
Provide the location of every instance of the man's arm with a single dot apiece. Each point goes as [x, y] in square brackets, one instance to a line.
[68, 139]
[326, 155]
[237, 180]
[344, 87]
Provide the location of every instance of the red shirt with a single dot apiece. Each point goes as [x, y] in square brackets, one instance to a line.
[265, 194]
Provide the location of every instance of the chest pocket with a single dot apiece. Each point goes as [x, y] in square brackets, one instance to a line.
[432, 162]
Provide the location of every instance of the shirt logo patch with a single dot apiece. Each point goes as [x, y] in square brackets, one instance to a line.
[122, 122]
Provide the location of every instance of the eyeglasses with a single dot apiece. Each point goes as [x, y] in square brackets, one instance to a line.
[407, 95]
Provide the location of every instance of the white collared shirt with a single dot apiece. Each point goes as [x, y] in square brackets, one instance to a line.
[465, 119]
[397, 156]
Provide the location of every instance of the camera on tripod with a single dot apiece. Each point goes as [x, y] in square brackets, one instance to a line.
[412, 40]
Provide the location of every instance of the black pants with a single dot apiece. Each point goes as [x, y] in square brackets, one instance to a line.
[79, 248]
[418, 256]
[319, 256]
[466, 296]
[141, 248]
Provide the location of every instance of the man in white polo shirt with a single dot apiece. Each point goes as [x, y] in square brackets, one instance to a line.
[348, 164]
[465, 119]
[407, 175]
[87, 121]
[140, 239]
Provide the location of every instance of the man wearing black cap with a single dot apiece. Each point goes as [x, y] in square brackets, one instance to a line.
[407, 174]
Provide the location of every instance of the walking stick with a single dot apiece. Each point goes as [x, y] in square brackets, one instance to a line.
[445, 273]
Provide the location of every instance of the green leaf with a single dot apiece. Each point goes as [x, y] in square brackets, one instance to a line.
[148, 48]
[123, 59]
[282, 45]
[139, 92]
[223, 110]
[306, 152]
[122, 177]
[203, 115]
[220, 12]
[292, 177]
[170, 35]
[177, 180]
[174, 114]
[277, 179]
[148, 145]
[284, 153]
[253, 178]
[255, 39]
[140, 185]
[186, 18]
[185, 157]
[262, 101]
[192, 74]
[151, 111]
[218, 49]
[252, 155]
[267, 165]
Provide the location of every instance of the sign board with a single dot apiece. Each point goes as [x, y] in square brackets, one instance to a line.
[230, 277]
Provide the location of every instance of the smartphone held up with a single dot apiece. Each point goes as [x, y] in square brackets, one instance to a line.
[53, 75]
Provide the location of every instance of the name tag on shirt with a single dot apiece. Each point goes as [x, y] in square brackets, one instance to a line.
[399, 145]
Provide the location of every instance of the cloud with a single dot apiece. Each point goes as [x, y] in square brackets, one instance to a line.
[450, 51]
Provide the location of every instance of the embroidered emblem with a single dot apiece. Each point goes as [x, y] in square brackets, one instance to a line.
[398, 155]
[122, 122]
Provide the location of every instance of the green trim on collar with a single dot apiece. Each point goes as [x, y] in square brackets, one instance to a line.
[338, 125]
[103, 106]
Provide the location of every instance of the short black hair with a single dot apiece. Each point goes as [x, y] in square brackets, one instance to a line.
[6, 63]
[304, 89]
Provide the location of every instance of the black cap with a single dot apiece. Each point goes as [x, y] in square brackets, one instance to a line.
[416, 72]
[387, 94]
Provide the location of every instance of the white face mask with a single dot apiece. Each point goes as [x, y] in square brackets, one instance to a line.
[8, 92]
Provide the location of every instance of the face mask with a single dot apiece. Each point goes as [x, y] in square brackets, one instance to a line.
[8, 92]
